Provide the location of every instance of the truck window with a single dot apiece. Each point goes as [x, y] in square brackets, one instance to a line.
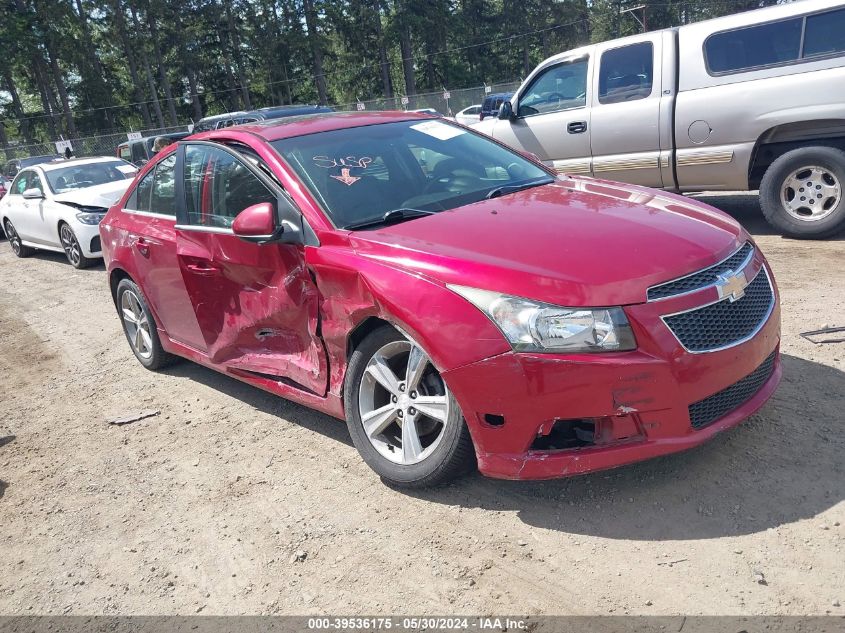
[626, 73]
[557, 88]
[825, 33]
[139, 155]
[754, 47]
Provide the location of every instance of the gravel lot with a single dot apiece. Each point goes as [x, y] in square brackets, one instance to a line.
[205, 507]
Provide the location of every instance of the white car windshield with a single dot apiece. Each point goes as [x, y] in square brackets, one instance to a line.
[85, 175]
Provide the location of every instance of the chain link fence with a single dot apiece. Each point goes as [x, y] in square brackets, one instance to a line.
[106, 144]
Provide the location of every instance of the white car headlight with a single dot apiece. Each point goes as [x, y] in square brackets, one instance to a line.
[90, 218]
[531, 326]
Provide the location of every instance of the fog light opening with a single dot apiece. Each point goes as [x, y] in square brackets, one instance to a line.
[494, 419]
[564, 434]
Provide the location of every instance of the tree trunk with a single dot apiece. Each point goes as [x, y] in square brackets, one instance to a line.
[99, 75]
[316, 50]
[59, 79]
[43, 90]
[120, 22]
[407, 51]
[162, 72]
[235, 42]
[145, 62]
[384, 62]
[17, 106]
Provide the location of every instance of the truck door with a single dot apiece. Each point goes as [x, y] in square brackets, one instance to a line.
[550, 117]
[626, 99]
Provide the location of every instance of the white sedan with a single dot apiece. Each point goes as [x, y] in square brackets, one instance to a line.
[57, 206]
[469, 115]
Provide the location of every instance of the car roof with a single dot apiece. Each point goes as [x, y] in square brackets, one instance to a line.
[276, 129]
[62, 162]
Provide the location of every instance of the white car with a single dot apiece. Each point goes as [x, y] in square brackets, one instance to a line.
[469, 115]
[57, 206]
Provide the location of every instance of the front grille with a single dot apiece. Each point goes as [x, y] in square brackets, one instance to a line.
[702, 278]
[705, 412]
[724, 323]
[95, 244]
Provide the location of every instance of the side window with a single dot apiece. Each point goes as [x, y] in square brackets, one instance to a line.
[21, 183]
[560, 87]
[753, 47]
[139, 156]
[124, 153]
[626, 73]
[218, 187]
[156, 192]
[825, 33]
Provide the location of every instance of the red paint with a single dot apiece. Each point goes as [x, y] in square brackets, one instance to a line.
[255, 220]
[280, 316]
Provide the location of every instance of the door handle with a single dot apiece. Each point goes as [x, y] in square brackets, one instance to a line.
[577, 127]
[143, 246]
[203, 269]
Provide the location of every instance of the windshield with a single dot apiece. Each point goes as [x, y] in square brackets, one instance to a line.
[361, 174]
[86, 175]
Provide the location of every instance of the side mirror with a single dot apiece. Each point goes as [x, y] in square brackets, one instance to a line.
[33, 194]
[506, 110]
[257, 224]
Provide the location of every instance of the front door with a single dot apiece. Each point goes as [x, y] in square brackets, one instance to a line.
[552, 120]
[150, 220]
[256, 305]
[626, 102]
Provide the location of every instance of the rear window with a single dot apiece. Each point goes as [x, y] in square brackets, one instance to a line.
[776, 43]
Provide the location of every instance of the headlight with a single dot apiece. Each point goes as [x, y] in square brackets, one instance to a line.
[531, 326]
[90, 218]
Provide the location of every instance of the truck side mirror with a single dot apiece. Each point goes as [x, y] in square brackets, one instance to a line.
[506, 110]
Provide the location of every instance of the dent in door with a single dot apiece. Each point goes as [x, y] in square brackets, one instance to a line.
[257, 307]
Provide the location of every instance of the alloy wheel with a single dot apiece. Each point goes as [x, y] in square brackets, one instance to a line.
[403, 403]
[137, 324]
[811, 193]
[14, 239]
[70, 244]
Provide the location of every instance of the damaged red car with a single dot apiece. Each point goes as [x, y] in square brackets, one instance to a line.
[455, 302]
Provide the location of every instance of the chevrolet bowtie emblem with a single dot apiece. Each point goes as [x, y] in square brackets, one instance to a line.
[731, 285]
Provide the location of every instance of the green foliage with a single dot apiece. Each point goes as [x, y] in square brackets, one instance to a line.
[124, 64]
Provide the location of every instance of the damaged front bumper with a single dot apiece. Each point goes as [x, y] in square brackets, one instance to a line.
[540, 416]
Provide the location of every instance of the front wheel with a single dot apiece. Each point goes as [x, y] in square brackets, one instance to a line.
[73, 251]
[802, 193]
[403, 419]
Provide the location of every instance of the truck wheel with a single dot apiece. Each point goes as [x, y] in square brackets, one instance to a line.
[802, 193]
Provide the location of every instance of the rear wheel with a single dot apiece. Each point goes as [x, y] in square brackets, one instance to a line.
[15, 241]
[803, 193]
[140, 327]
[73, 251]
[402, 417]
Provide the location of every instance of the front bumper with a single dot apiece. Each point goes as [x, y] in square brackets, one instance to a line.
[89, 239]
[638, 401]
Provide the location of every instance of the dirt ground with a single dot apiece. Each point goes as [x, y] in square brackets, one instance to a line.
[204, 508]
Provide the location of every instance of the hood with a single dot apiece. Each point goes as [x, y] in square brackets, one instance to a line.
[576, 242]
[97, 196]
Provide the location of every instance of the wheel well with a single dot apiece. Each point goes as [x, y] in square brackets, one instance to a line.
[361, 331]
[778, 140]
[116, 276]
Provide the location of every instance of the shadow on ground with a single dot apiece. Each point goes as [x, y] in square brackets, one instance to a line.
[60, 259]
[3, 441]
[745, 209]
[782, 465]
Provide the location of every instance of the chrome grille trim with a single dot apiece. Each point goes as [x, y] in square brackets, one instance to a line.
[655, 290]
[739, 341]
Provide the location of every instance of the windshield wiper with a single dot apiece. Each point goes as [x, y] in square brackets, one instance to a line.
[391, 217]
[499, 191]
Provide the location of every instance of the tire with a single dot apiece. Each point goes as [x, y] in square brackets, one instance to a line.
[73, 251]
[147, 348]
[15, 241]
[788, 181]
[443, 449]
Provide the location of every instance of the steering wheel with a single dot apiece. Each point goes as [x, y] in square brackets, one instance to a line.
[452, 175]
[555, 96]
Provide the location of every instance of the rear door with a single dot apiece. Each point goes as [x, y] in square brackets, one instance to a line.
[552, 118]
[150, 221]
[256, 305]
[625, 110]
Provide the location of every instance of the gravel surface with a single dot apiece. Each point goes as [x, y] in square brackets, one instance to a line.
[233, 501]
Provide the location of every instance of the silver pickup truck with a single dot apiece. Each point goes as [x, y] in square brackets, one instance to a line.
[749, 101]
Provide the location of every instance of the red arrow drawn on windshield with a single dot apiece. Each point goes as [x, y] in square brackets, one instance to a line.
[345, 178]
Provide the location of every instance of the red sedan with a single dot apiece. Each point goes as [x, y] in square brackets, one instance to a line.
[454, 301]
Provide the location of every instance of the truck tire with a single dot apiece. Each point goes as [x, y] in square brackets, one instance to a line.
[803, 193]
